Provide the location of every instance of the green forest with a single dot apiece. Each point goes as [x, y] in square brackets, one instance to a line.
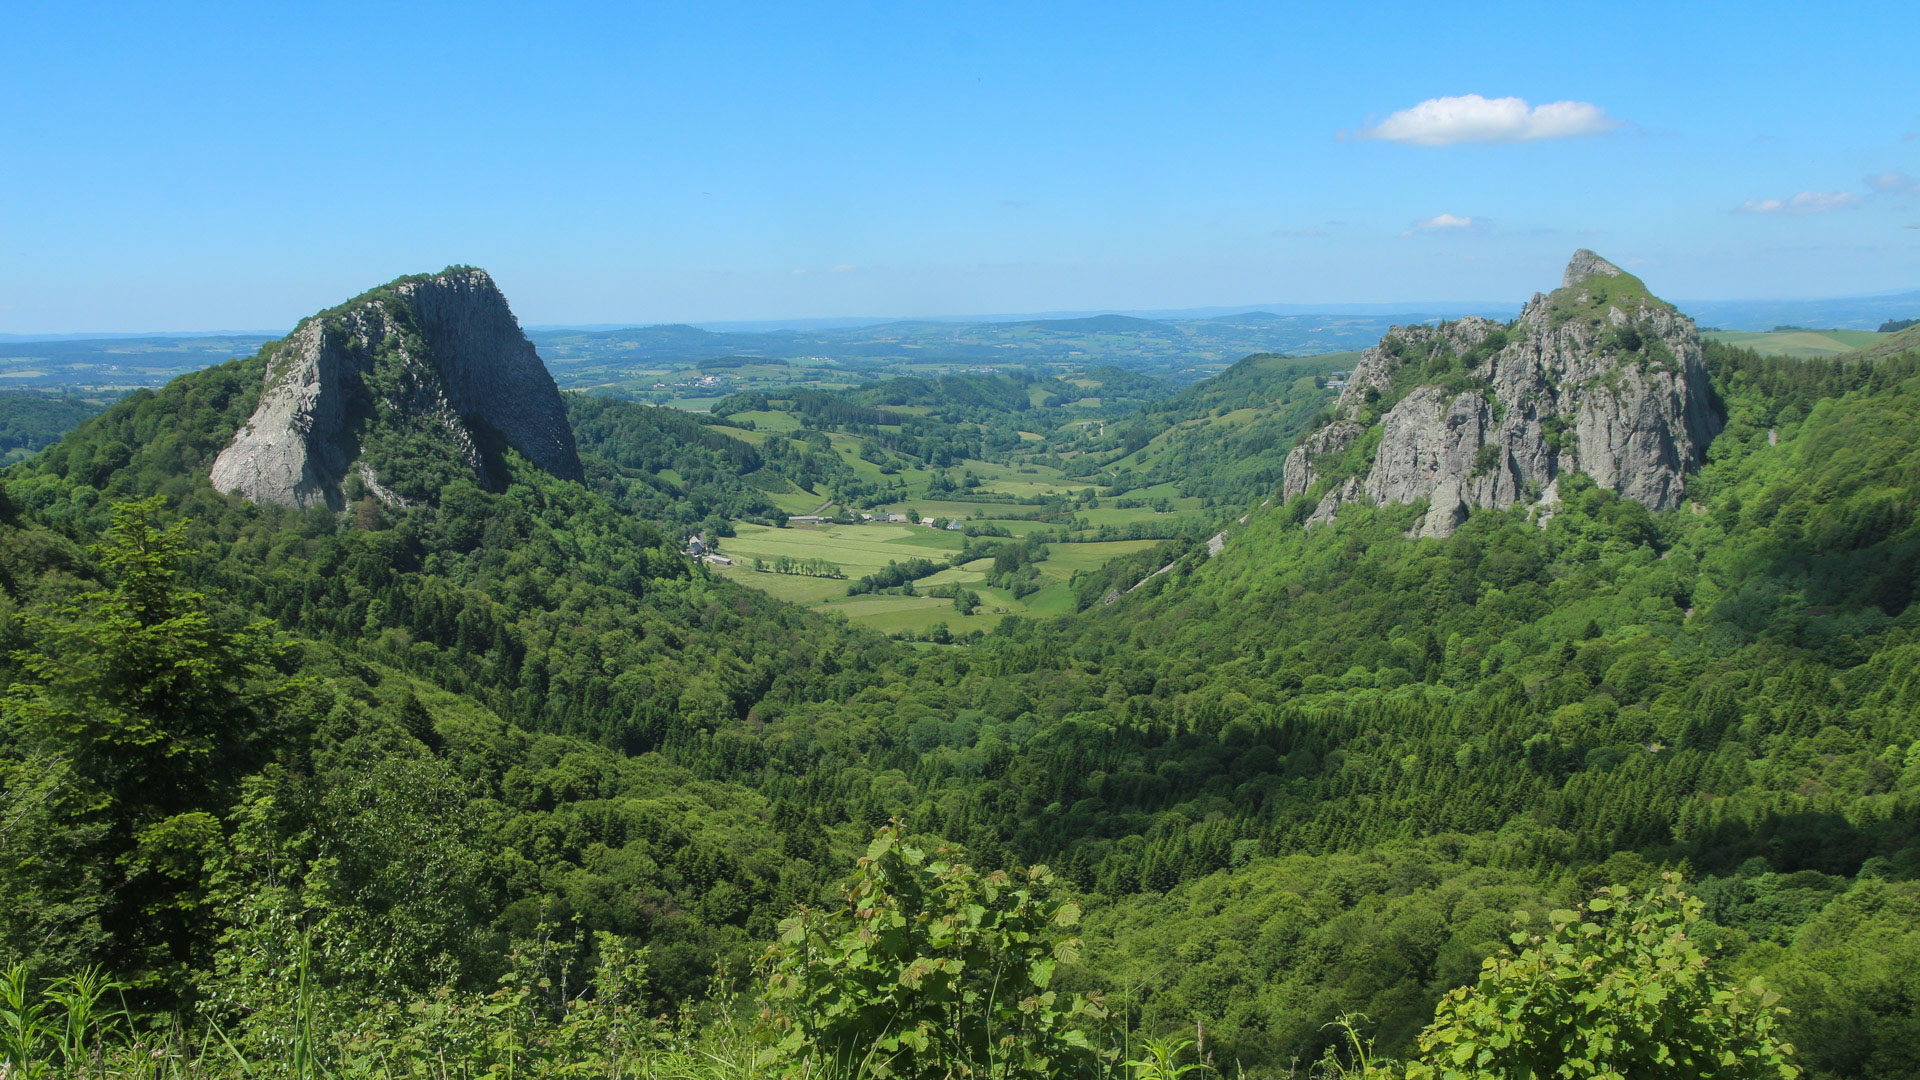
[504, 784]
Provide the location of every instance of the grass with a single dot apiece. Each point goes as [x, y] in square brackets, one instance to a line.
[914, 614]
[1800, 344]
[1064, 559]
[1592, 298]
[1907, 340]
[793, 588]
[859, 550]
[768, 420]
[796, 501]
[949, 508]
[77, 1027]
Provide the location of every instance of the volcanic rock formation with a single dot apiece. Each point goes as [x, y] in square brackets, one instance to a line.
[1599, 377]
[426, 370]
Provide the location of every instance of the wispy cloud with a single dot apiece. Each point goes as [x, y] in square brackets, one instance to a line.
[843, 268]
[1298, 232]
[1471, 118]
[1893, 183]
[1807, 202]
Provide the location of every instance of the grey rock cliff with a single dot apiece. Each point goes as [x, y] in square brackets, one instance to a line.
[1598, 377]
[443, 353]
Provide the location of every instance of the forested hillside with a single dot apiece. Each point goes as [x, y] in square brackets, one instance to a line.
[493, 671]
[512, 749]
[1226, 438]
[31, 422]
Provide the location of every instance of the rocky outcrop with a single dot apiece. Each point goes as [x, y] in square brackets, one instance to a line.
[438, 358]
[1302, 468]
[1598, 377]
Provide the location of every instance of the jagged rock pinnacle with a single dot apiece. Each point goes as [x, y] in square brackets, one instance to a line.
[1601, 378]
[1586, 264]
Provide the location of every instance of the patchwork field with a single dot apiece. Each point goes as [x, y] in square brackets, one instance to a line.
[858, 550]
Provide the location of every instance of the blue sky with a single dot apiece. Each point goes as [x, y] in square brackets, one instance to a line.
[194, 166]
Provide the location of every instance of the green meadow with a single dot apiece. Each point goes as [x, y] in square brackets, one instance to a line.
[1796, 343]
[859, 550]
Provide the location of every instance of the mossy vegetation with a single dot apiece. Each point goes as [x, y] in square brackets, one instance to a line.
[1591, 300]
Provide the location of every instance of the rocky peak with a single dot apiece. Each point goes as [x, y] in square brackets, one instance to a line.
[1599, 376]
[1586, 264]
[398, 391]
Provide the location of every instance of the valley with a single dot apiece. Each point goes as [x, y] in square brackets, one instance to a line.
[1309, 681]
[1071, 541]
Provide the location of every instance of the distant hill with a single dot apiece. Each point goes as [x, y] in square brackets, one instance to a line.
[1845, 313]
[1907, 340]
[1184, 350]
[115, 362]
[1099, 324]
[30, 422]
[1226, 438]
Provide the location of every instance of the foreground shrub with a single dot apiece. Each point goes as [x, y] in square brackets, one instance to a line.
[932, 970]
[1619, 990]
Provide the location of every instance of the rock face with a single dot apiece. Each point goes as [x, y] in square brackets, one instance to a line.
[426, 368]
[1597, 377]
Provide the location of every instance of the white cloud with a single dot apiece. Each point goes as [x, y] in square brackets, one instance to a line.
[1444, 221]
[1471, 118]
[1807, 202]
[1892, 183]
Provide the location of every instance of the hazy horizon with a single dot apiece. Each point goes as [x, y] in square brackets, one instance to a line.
[1450, 308]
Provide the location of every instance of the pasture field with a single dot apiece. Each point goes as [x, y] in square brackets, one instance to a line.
[1798, 344]
[768, 420]
[859, 550]
[1064, 559]
[950, 508]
